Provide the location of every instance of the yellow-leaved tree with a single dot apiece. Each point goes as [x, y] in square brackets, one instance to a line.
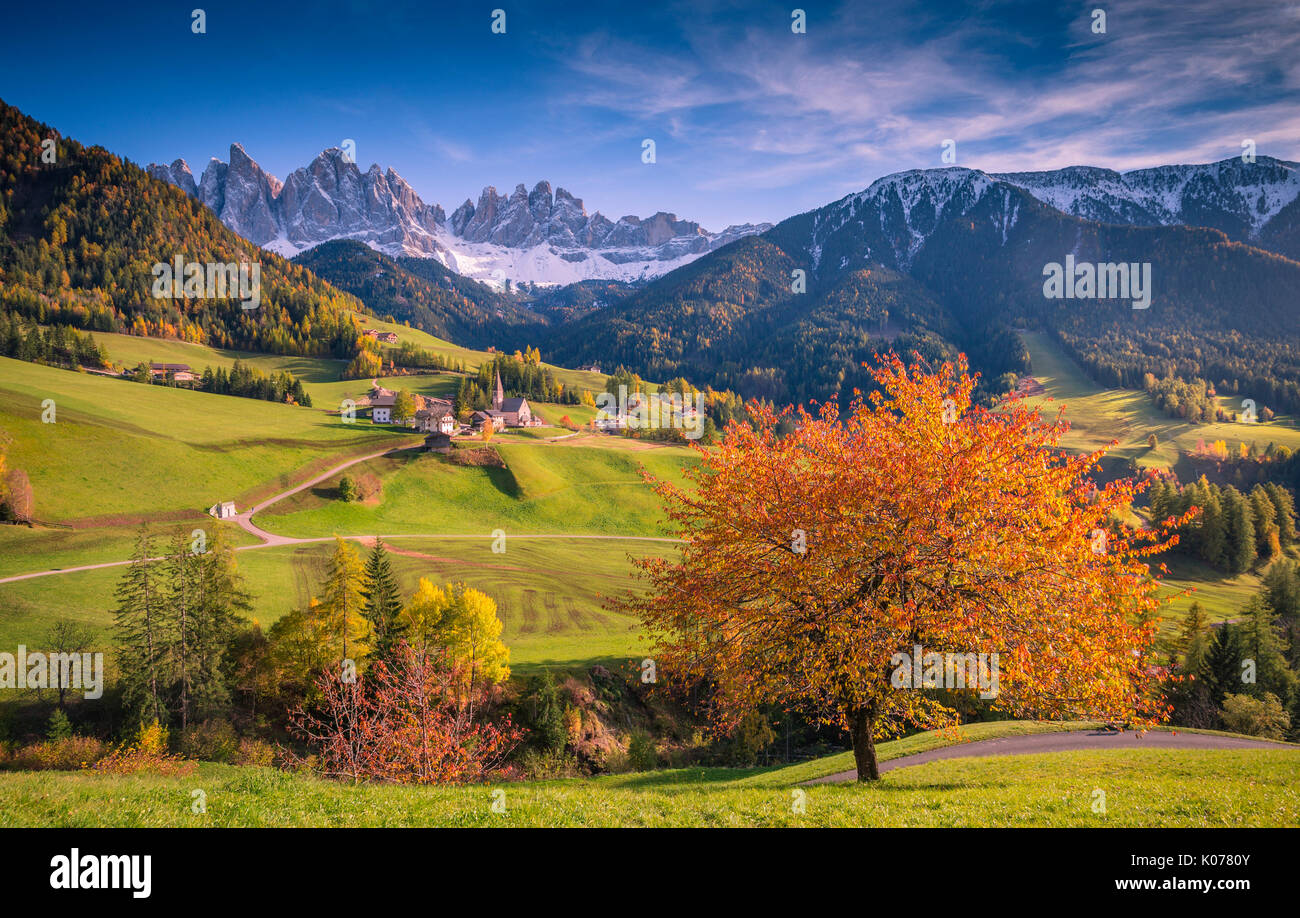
[462, 621]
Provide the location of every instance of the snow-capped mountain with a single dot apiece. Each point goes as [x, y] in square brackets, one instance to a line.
[891, 221]
[1237, 197]
[544, 236]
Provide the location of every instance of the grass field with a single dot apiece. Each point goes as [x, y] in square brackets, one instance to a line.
[120, 449]
[549, 592]
[1143, 788]
[542, 488]
[1098, 416]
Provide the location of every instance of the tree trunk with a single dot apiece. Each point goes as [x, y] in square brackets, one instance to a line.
[864, 744]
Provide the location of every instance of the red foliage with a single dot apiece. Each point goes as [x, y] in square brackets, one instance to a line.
[406, 721]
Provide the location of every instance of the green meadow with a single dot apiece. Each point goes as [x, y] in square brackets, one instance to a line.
[542, 488]
[1098, 415]
[127, 450]
[1143, 788]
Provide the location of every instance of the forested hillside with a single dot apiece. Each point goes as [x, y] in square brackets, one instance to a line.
[421, 291]
[950, 259]
[79, 237]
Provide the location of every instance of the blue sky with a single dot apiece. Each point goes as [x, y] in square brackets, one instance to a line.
[751, 121]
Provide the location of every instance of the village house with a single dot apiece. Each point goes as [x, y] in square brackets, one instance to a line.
[437, 416]
[438, 442]
[224, 510]
[590, 368]
[180, 372]
[384, 337]
[381, 403]
[480, 418]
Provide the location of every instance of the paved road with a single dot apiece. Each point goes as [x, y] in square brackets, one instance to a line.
[1067, 742]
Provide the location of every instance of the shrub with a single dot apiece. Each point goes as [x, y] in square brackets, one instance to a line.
[255, 752]
[541, 765]
[147, 753]
[67, 754]
[641, 754]
[210, 741]
[348, 490]
[1255, 716]
[542, 714]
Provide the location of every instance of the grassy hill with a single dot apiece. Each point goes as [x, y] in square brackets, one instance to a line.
[543, 487]
[122, 453]
[1098, 415]
[1143, 788]
[125, 451]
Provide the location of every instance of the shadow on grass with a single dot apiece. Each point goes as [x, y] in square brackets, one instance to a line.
[669, 777]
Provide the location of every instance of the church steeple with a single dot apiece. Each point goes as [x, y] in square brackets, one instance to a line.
[498, 397]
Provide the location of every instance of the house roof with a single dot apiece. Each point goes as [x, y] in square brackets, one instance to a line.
[513, 405]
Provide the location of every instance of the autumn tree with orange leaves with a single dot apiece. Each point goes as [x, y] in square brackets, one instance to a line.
[811, 560]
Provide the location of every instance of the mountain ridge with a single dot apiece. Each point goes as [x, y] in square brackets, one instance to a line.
[544, 236]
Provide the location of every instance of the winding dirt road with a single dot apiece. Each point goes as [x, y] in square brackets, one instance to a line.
[1068, 742]
[271, 539]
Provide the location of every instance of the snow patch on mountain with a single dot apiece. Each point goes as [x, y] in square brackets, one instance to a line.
[1232, 195]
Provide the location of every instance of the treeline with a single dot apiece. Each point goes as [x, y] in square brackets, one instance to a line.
[1265, 368]
[407, 354]
[1242, 676]
[1232, 530]
[1194, 401]
[57, 346]
[522, 375]
[250, 382]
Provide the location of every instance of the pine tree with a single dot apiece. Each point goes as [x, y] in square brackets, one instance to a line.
[139, 622]
[181, 599]
[1222, 669]
[1240, 531]
[383, 600]
[1284, 504]
[1213, 529]
[1265, 514]
[223, 601]
[1193, 643]
[1261, 642]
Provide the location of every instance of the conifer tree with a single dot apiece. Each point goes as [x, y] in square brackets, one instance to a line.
[383, 600]
[139, 623]
[1222, 669]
